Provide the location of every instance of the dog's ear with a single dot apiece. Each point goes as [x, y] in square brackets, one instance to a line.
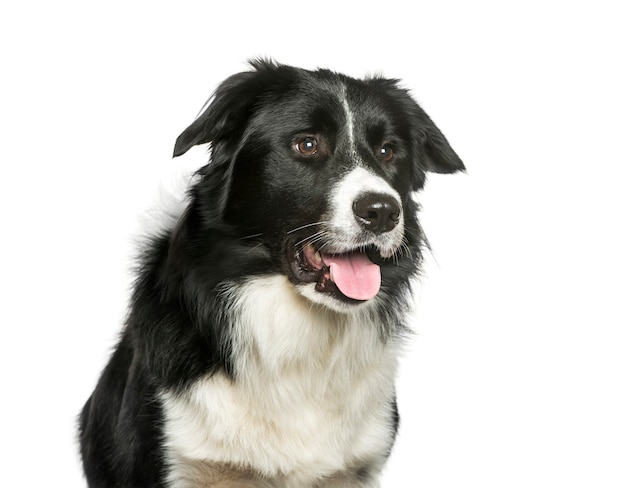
[225, 112]
[437, 154]
[433, 152]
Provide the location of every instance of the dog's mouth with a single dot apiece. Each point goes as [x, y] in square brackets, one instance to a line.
[352, 276]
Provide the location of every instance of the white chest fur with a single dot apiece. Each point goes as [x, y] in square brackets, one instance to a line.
[312, 395]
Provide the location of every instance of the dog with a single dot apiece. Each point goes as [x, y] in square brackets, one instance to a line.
[261, 343]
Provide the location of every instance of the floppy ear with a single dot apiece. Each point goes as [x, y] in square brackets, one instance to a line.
[438, 156]
[433, 150]
[224, 114]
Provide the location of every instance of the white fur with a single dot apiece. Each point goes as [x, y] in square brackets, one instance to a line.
[349, 120]
[171, 200]
[312, 394]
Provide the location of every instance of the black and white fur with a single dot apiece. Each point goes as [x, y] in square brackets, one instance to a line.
[241, 363]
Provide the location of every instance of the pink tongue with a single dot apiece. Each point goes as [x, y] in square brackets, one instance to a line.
[354, 274]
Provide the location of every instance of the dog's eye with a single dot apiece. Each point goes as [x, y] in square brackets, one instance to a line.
[307, 146]
[386, 153]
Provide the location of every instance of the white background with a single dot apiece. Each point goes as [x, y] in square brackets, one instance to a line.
[517, 374]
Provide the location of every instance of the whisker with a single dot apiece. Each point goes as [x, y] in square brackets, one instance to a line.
[325, 244]
[312, 239]
[252, 249]
[404, 246]
[404, 251]
[304, 227]
[250, 236]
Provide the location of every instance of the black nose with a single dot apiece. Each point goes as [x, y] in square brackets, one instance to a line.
[377, 212]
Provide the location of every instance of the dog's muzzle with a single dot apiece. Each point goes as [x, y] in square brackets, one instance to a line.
[343, 259]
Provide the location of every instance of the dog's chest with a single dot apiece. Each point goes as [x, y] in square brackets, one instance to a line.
[308, 403]
[273, 432]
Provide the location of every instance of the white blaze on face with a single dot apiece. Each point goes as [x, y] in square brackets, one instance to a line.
[349, 121]
[346, 233]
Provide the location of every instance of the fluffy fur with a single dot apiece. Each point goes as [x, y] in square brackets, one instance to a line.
[246, 360]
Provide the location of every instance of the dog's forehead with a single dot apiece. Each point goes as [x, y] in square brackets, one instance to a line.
[329, 105]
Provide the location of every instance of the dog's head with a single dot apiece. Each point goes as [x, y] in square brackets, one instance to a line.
[318, 168]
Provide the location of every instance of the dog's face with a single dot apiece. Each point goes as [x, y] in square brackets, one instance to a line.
[319, 168]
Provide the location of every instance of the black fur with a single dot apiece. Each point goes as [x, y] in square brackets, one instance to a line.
[245, 202]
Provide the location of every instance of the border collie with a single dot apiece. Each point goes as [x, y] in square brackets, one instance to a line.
[261, 344]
